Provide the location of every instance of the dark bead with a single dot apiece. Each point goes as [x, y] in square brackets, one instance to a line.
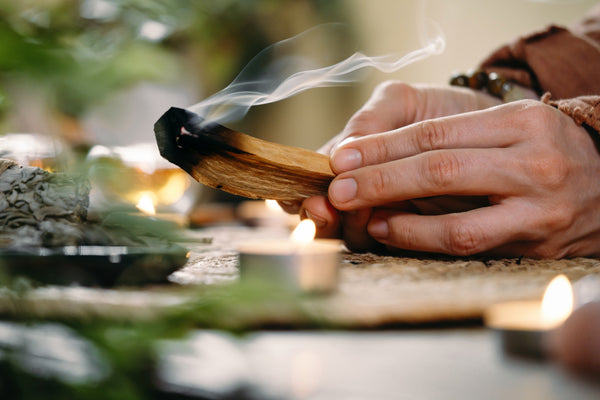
[459, 80]
[495, 84]
[477, 79]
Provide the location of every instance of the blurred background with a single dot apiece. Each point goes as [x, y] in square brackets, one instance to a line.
[101, 72]
[87, 79]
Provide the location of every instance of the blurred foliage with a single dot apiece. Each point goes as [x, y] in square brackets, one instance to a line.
[127, 346]
[79, 51]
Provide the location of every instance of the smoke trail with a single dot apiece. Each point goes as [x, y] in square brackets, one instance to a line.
[279, 72]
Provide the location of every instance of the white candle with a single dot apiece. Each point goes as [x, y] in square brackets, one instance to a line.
[299, 262]
[523, 325]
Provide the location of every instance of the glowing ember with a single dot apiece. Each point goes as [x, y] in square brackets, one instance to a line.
[304, 232]
[146, 205]
[557, 304]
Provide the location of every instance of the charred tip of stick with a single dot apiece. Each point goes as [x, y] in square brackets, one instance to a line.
[187, 122]
[177, 124]
[220, 157]
[167, 130]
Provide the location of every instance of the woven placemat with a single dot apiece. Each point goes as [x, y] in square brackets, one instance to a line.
[374, 290]
[377, 290]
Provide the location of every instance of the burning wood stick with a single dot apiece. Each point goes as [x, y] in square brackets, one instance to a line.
[237, 163]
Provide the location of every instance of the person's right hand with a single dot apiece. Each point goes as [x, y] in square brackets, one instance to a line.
[391, 106]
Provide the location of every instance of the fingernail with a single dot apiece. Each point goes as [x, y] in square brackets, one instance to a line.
[320, 223]
[378, 228]
[346, 160]
[343, 190]
[287, 203]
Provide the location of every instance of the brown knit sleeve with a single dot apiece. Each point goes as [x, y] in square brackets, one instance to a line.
[565, 62]
[562, 63]
[585, 110]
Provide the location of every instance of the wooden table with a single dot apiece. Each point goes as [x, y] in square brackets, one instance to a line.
[423, 364]
[398, 327]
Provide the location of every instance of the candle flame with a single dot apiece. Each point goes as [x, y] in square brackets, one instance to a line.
[272, 205]
[557, 304]
[173, 189]
[304, 232]
[146, 205]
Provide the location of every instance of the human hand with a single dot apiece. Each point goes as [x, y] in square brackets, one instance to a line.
[392, 105]
[576, 344]
[395, 104]
[537, 169]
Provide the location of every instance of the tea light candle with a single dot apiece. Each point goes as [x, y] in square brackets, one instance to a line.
[265, 213]
[146, 206]
[523, 325]
[298, 263]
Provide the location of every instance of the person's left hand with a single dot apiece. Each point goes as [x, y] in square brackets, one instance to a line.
[537, 170]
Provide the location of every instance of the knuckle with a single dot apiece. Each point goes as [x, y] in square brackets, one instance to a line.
[379, 151]
[546, 251]
[463, 240]
[538, 111]
[443, 169]
[432, 135]
[396, 93]
[540, 118]
[531, 107]
[550, 170]
[558, 219]
[405, 236]
[393, 89]
[362, 122]
[378, 184]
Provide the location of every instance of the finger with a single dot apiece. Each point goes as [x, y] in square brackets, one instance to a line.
[321, 212]
[354, 230]
[390, 106]
[364, 122]
[446, 204]
[461, 172]
[481, 129]
[460, 234]
[290, 207]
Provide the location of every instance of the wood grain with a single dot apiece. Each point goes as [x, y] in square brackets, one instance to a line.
[238, 163]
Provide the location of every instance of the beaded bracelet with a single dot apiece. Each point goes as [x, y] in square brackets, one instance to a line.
[491, 83]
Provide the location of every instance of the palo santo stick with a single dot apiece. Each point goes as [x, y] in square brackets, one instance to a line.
[238, 163]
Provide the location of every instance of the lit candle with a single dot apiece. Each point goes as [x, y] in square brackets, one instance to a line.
[146, 206]
[299, 262]
[123, 175]
[523, 325]
[265, 213]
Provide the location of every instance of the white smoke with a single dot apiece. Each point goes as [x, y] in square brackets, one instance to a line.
[279, 72]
